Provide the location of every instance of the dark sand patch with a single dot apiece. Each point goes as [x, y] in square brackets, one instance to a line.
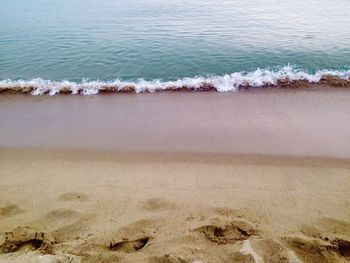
[10, 210]
[157, 204]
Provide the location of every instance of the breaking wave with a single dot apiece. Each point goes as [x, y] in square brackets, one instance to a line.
[287, 76]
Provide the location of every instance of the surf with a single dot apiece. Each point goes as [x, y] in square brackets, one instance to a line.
[286, 76]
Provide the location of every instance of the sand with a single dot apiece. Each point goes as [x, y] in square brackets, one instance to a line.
[249, 177]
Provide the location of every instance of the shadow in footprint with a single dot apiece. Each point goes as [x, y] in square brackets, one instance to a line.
[129, 246]
[342, 246]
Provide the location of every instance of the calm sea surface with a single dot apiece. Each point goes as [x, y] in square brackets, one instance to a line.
[151, 39]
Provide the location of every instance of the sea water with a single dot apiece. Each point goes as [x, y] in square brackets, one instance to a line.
[82, 45]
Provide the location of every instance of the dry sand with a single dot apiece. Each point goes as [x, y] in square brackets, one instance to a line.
[206, 177]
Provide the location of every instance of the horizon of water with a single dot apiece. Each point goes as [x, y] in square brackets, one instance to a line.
[158, 42]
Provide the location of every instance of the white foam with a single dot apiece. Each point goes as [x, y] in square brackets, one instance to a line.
[228, 82]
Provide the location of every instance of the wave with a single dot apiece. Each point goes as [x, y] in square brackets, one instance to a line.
[287, 76]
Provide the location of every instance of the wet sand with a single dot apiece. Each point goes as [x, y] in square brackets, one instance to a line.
[313, 122]
[261, 176]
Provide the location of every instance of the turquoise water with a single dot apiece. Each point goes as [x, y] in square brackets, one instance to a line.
[156, 39]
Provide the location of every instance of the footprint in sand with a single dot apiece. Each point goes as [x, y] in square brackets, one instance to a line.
[10, 210]
[25, 238]
[133, 237]
[312, 249]
[127, 239]
[228, 226]
[129, 246]
[327, 241]
[229, 233]
[73, 196]
[157, 205]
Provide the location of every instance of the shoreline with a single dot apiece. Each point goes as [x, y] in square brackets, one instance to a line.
[185, 157]
[236, 82]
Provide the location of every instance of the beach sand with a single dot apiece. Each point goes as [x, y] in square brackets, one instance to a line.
[257, 176]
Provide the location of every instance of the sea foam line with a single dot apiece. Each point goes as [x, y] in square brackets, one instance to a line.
[228, 82]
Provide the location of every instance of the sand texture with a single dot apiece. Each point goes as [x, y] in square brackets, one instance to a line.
[103, 207]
